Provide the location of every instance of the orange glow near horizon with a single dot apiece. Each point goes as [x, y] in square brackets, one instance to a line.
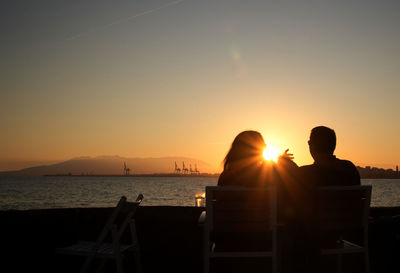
[131, 83]
[271, 153]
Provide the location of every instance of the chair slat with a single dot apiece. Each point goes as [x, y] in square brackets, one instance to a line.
[241, 196]
[247, 205]
[240, 227]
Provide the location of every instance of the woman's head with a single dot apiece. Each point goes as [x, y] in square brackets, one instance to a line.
[247, 148]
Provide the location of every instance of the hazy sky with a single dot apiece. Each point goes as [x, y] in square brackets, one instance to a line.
[151, 78]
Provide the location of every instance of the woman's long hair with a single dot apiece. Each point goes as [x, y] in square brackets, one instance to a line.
[247, 148]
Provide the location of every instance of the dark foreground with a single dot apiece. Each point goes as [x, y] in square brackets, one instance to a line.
[170, 239]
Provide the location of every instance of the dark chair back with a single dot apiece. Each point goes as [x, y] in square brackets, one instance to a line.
[343, 208]
[240, 209]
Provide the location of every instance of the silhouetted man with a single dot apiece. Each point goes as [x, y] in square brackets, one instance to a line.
[328, 170]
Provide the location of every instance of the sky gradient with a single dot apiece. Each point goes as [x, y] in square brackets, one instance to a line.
[183, 78]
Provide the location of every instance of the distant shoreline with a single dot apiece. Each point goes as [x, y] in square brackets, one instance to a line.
[140, 175]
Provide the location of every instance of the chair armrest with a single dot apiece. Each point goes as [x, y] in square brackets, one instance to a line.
[202, 218]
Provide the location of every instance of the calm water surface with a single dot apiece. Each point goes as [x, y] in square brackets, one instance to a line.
[64, 192]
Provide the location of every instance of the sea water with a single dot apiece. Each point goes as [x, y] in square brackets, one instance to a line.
[22, 193]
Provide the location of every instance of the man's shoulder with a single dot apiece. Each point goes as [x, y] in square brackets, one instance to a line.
[347, 164]
[344, 172]
[332, 173]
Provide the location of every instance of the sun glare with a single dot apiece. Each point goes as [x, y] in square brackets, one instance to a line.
[271, 153]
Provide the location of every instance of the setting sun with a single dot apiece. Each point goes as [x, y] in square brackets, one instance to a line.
[271, 153]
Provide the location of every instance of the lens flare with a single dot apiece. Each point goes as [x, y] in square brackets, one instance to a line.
[271, 153]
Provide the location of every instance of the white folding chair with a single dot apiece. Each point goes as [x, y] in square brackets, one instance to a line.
[121, 217]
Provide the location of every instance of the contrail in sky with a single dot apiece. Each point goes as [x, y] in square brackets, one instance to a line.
[82, 34]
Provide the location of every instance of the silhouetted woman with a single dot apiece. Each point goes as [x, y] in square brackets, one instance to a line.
[244, 165]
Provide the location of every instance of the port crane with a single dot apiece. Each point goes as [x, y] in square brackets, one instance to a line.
[184, 169]
[177, 170]
[126, 170]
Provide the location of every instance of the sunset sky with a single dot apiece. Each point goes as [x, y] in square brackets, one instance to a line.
[153, 78]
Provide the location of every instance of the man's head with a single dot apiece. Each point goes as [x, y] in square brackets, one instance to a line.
[322, 142]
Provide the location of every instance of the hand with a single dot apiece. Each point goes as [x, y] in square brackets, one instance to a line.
[287, 155]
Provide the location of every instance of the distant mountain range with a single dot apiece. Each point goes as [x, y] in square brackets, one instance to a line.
[113, 165]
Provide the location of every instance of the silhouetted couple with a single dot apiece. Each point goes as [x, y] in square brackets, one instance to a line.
[244, 165]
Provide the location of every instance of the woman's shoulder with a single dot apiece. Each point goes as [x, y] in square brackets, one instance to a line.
[227, 178]
[247, 176]
[223, 178]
